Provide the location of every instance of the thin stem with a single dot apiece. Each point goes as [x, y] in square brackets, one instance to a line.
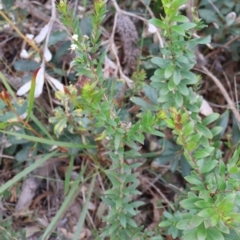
[225, 94]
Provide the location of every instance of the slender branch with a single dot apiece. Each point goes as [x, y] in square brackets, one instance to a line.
[225, 94]
[30, 42]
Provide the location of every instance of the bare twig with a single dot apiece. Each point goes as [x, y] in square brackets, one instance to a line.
[225, 94]
[30, 42]
[161, 194]
[235, 87]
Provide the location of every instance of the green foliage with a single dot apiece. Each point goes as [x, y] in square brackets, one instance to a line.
[90, 108]
[212, 204]
[87, 113]
[225, 18]
[8, 233]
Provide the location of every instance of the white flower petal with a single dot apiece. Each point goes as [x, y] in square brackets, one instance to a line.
[43, 33]
[230, 18]
[59, 86]
[24, 88]
[73, 47]
[75, 37]
[39, 81]
[23, 116]
[81, 8]
[24, 54]
[30, 36]
[151, 28]
[47, 55]
[205, 108]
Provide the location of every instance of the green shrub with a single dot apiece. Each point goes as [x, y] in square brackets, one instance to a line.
[88, 114]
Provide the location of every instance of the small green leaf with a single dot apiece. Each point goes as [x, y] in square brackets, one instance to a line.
[221, 183]
[180, 18]
[187, 25]
[222, 122]
[204, 130]
[214, 234]
[142, 103]
[193, 180]
[236, 131]
[178, 29]
[207, 167]
[161, 62]
[117, 140]
[190, 234]
[222, 227]
[185, 166]
[163, 98]
[169, 71]
[165, 224]
[182, 88]
[123, 221]
[191, 145]
[197, 41]
[202, 153]
[227, 204]
[190, 77]
[177, 76]
[212, 222]
[170, 123]
[57, 36]
[189, 203]
[177, 3]
[210, 118]
[157, 133]
[59, 127]
[216, 130]
[151, 93]
[168, 215]
[207, 213]
[195, 222]
[201, 232]
[235, 157]
[183, 224]
[158, 23]
[171, 85]
[203, 204]
[188, 128]
[178, 99]
[182, 59]
[25, 65]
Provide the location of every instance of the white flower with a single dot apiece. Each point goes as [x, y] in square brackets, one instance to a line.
[205, 108]
[81, 8]
[73, 47]
[43, 33]
[47, 54]
[24, 54]
[75, 37]
[230, 18]
[151, 28]
[85, 37]
[39, 78]
[59, 86]
[30, 36]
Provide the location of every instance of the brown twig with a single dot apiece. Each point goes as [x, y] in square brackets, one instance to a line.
[225, 94]
[30, 42]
